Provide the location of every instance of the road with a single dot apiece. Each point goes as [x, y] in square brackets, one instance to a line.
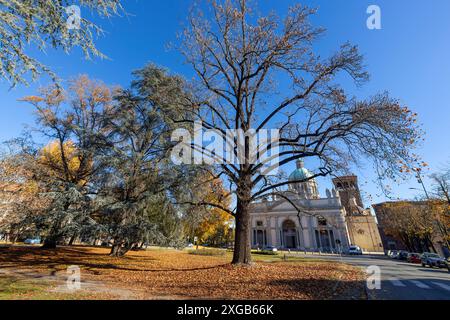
[401, 280]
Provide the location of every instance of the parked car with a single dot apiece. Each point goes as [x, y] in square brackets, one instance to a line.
[270, 249]
[355, 250]
[414, 258]
[107, 243]
[433, 260]
[391, 253]
[395, 254]
[32, 241]
[403, 255]
[448, 264]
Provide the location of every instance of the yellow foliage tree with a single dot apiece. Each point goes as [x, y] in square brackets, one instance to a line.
[415, 221]
[63, 161]
[216, 226]
[441, 214]
[19, 195]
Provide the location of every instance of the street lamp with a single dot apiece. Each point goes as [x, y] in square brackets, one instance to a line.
[420, 180]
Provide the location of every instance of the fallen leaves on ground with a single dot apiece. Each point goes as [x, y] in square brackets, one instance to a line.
[172, 274]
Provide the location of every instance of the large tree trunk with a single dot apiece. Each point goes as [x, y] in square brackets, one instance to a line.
[54, 235]
[119, 250]
[115, 250]
[125, 249]
[49, 243]
[73, 238]
[242, 248]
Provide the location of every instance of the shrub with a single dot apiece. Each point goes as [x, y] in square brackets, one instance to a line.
[265, 252]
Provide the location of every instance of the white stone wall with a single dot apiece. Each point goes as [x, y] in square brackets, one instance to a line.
[272, 224]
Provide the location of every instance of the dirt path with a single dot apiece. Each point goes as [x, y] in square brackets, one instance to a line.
[58, 283]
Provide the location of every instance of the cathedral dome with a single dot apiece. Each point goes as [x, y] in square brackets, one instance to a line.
[303, 183]
[301, 173]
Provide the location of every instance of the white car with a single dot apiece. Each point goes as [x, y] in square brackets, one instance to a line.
[433, 260]
[391, 253]
[33, 241]
[355, 250]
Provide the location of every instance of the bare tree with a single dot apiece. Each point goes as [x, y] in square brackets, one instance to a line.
[441, 206]
[442, 185]
[261, 72]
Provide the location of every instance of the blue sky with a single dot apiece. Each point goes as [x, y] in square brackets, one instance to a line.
[409, 57]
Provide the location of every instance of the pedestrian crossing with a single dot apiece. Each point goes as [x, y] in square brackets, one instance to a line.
[443, 286]
[419, 284]
[397, 283]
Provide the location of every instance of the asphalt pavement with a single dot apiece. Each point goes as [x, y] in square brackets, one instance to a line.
[401, 280]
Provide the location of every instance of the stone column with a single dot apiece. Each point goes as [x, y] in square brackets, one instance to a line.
[277, 232]
[329, 239]
[312, 234]
[304, 231]
[268, 232]
[298, 231]
[300, 238]
[320, 238]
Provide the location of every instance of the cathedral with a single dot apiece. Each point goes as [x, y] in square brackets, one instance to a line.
[300, 219]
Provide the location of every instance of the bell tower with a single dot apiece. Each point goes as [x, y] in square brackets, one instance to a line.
[348, 189]
[361, 224]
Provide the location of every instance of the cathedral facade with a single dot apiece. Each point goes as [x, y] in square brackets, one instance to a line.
[300, 219]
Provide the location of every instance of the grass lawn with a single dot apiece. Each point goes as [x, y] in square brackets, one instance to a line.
[16, 288]
[33, 273]
[22, 288]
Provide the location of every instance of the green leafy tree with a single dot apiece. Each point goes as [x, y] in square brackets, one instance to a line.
[140, 178]
[75, 121]
[46, 23]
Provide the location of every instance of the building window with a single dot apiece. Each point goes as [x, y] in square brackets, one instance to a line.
[259, 223]
[322, 222]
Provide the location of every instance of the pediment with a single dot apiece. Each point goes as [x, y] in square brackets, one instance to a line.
[281, 205]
